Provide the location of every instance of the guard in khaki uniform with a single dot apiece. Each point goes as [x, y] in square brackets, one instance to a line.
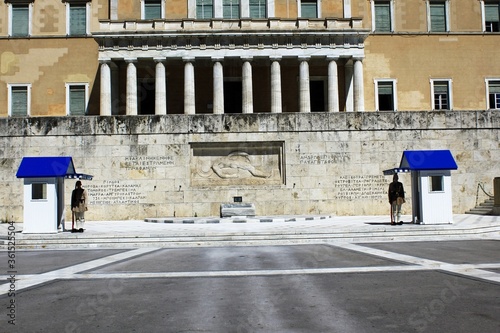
[396, 199]
[79, 206]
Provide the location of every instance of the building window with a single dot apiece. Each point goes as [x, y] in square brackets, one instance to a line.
[76, 99]
[20, 18]
[39, 191]
[493, 94]
[258, 8]
[152, 9]
[441, 92]
[436, 183]
[385, 90]
[231, 9]
[491, 16]
[19, 100]
[309, 9]
[77, 18]
[382, 16]
[437, 16]
[204, 9]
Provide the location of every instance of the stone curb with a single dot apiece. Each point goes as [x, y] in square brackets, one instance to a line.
[235, 219]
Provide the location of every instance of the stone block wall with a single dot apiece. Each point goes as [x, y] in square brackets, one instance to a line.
[289, 163]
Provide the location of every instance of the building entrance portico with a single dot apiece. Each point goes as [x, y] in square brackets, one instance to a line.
[189, 74]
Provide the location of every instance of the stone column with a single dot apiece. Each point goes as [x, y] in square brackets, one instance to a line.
[131, 107]
[160, 87]
[359, 93]
[333, 85]
[349, 95]
[304, 87]
[247, 91]
[105, 107]
[189, 95]
[275, 85]
[218, 87]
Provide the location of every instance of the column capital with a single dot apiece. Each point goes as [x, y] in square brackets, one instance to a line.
[358, 58]
[304, 58]
[217, 59]
[275, 58]
[188, 59]
[160, 59]
[104, 60]
[246, 58]
[332, 58]
[130, 60]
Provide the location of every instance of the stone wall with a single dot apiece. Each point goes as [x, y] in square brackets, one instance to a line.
[289, 163]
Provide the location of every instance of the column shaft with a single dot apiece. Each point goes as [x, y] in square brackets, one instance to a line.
[131, 107]
[218, 88]
[359, 95]
[247, 93]
[105, 107]
[189, 94]
[160, 89]
[333, 86]
[275, 87]
[304, 87]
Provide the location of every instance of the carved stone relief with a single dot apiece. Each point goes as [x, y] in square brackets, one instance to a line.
[237, 163]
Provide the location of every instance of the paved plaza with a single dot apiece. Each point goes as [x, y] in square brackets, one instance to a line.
[448, 283]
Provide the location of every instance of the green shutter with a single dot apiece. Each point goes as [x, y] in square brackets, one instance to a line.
[152, 10]
[257, 8]
[382, 16]
[204, 9]
[494, 87]
[491, 12]
[309, 9]
[385, 88]
[231, 9]
[77, 20]
[77, 100]
[438, 17]
[19, 103]
[20, 20]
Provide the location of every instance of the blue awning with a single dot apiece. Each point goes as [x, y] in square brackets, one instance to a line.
[416, 160]
[48, 167]
[428, 160]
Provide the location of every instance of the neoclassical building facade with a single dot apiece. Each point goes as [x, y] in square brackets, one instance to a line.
[128, 57]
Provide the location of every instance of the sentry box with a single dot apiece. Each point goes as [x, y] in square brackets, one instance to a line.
[44, 191]
[430, 184]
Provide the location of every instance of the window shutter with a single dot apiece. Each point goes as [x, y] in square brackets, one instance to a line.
[491, 12]
[19, 106]
[438, 17]
[152, 10]
[385, 88]
[383, 16]
[77, 100]
[309, 9]
[257, 8]
[440, 88]
[20, 20]
[78, 19]
[494, 87]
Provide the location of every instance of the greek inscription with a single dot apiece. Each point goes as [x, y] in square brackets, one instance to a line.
[146, 162]
[115, 192]
[368, 187]
[331, 158]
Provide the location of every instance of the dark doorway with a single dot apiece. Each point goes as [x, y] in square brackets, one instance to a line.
[146, 97]
[233, 97]
[317, 95]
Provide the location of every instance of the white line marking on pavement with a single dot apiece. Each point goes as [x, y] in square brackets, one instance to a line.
[465, 270]
[26, 281]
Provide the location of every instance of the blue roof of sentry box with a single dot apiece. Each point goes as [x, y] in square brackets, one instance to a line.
[428, 160]
[416, 160]
[47, 167]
